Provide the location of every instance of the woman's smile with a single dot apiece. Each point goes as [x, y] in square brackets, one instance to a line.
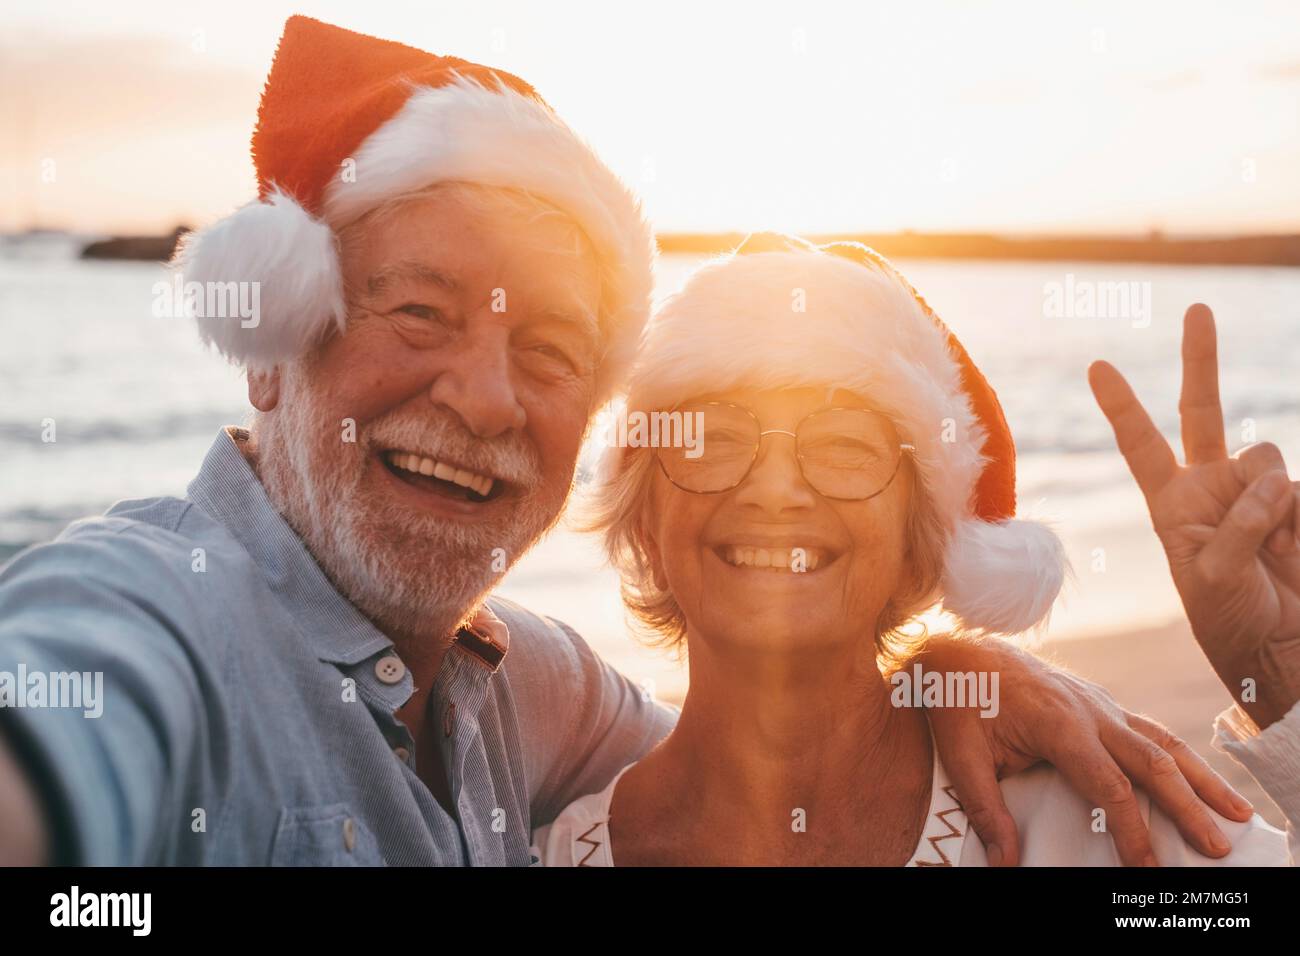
[799, 556]
[736, 572]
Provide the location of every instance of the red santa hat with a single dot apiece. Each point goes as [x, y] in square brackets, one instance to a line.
[864, 328]
[347, 121]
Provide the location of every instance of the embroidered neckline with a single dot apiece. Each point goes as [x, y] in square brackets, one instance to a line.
[945, 821]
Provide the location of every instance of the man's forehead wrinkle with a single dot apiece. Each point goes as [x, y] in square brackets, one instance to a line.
[422, 272]
[524, 298]
[540, 300]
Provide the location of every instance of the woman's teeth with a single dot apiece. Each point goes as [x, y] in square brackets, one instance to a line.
[429, 467]
[775, 559]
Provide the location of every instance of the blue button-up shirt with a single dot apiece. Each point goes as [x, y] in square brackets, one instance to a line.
[243, 717]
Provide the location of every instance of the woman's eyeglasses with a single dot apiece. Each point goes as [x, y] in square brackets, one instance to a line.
[849, 454]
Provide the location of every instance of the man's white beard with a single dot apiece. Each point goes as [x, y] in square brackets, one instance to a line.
[409, 572]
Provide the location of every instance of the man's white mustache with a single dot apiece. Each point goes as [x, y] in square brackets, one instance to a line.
[510, 458]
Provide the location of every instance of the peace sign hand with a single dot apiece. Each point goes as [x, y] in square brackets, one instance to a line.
[1230, 526]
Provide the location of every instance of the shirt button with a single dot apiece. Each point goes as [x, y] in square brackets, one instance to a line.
[389, 669]
[349, 834]
[402, 754]
[449, 720]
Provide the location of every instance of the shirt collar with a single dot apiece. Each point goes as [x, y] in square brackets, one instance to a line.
[227, 488]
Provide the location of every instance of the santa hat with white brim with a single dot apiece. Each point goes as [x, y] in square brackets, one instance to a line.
[348, 121]
[864, 328]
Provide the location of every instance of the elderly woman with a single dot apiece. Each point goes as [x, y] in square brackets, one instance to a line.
[855, 468]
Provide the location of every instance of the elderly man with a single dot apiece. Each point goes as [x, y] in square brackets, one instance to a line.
[299, 665]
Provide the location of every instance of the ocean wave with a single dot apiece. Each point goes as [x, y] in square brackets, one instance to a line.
[134, 431]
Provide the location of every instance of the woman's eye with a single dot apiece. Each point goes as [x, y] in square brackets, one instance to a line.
[724, 436]
[836, 446]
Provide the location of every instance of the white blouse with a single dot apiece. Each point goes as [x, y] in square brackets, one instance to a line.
[1057, 826]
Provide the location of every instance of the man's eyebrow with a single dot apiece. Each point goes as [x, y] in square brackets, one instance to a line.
[409, 269]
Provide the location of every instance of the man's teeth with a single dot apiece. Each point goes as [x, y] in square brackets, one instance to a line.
[777, 559]
[429, 467]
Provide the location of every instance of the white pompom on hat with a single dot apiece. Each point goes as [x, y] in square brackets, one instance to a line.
[865, 329]
[348, 121]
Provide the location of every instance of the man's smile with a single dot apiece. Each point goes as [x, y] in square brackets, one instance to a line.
[443, 478]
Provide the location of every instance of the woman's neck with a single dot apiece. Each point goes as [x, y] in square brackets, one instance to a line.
[777, 758]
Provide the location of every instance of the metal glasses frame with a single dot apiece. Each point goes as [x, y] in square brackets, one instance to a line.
[762, 433]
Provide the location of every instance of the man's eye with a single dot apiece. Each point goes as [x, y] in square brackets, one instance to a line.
[554, 353]
[426, 312]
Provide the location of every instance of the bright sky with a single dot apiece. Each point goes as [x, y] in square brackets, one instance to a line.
[802, 116]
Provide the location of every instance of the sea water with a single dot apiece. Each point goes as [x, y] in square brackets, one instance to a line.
[134, 401]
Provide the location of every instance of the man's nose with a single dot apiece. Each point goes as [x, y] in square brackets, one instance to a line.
[478, 386]
[776, 483]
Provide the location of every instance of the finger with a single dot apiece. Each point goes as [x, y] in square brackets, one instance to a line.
[1156, 771]
[1093, 773]
[1295, 511]
[1198, 406]
[974, 775]
[1285, 539]
[1217, 793]
[1248, 522]
[1149, 456]
[1249, 464]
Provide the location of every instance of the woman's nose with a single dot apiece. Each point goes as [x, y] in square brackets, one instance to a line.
[776, 483]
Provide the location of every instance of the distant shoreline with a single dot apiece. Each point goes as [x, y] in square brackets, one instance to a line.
[1272, 250]
[1250, 250]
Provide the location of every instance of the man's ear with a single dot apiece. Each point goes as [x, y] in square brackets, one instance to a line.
[264, 388]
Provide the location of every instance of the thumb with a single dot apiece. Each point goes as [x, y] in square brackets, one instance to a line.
[973, 771]
[1245, 527]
